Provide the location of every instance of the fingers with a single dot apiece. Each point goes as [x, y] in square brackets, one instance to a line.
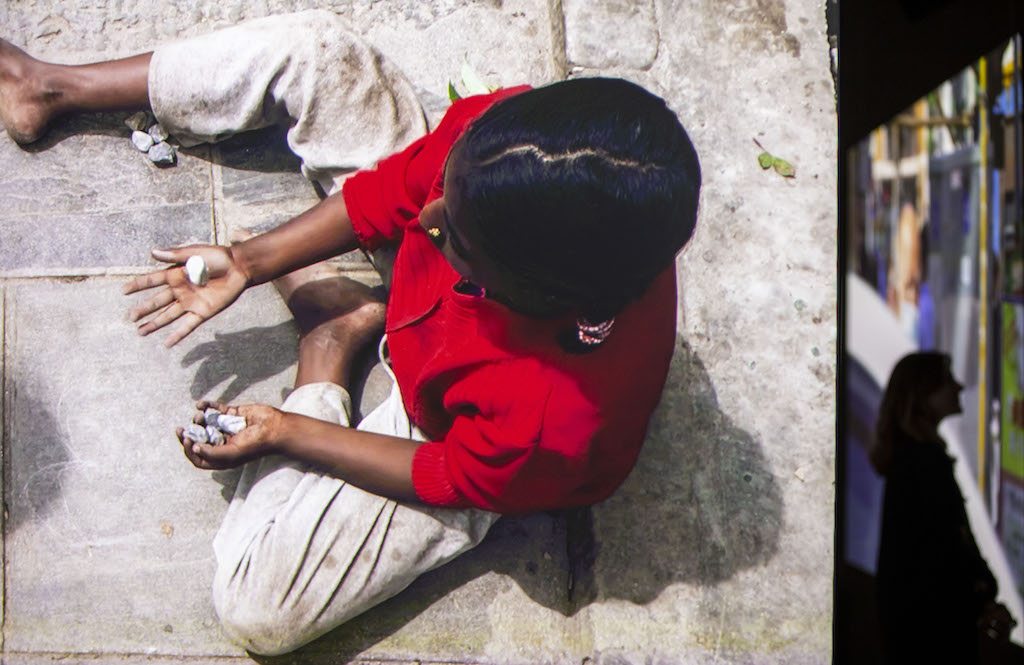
[159, 277]
[187, 322]
[162, 298]
[168, 314]
[175, 255]
[223, 456]
[172, 312]
[209, 457]
[189, 447]
[203, 405]
[147, 281]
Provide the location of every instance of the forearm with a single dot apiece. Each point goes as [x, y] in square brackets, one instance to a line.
[377, 463]
[320, 233]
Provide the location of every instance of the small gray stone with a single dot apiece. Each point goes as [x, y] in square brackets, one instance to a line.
[197, 433]
[158, 133]
[215, 435]
[231, 424]
[162, 153]
[137, 121]
[142, 141]
[210, 416]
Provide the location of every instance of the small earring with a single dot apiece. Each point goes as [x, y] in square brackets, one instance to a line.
[592, 334]
[434, 232]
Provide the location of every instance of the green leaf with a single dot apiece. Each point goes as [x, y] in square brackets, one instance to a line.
[453, 94]
[473, 83]
[783, 168]
[765, 160]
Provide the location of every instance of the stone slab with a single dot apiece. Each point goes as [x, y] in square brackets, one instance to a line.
[109, 527]
[748, 563]
[85, 198]
[745, 568]
[87, 241]
[507, 42]
[610, 33]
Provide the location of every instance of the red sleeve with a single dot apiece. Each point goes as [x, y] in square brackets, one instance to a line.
[382, 200]
[509, 455]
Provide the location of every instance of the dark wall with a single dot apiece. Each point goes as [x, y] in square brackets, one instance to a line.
[893, 52]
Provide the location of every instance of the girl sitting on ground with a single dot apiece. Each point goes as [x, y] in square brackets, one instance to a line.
[530, 318]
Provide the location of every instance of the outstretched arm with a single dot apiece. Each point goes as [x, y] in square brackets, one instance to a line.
[321, 232]
[377, 463]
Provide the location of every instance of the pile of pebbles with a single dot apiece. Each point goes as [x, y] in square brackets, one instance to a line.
[152, 141]
[218, 427]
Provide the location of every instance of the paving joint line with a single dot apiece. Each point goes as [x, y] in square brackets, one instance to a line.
[147, 657]
[559, 51]
[216, 182]
[179, 658]
[5, 408]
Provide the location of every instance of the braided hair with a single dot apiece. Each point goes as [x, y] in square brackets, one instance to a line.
[581, 192]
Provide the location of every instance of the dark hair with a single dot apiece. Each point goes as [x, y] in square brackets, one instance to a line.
[913, 379]
[582, 192]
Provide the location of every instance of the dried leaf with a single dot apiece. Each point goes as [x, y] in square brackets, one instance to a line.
[765, 160]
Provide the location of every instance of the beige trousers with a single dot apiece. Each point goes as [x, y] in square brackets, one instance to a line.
[301, 552]
[344, 104]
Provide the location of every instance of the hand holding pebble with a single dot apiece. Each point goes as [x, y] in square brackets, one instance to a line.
[196, 270]
[217, 425]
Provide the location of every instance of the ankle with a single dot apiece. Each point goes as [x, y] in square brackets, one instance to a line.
[29, 96]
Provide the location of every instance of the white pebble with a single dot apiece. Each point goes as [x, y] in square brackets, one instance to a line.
[231, 424]
[142, 141]
[197, 433]
[215, 435]
[210, 416]
[196, 271]
[158, 133]
[162, 153]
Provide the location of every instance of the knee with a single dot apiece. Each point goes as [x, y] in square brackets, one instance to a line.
[258, 624]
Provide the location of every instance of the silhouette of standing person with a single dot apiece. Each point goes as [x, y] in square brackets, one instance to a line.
[935, 590]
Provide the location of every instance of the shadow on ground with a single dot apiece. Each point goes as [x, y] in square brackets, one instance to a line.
[245, 357]
[701, 505]
[262, 150]
[34, 485]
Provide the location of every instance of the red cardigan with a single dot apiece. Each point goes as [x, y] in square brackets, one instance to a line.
[516, 424]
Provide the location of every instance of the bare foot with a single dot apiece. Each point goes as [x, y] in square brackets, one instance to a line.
[25, 103]
[337, 317]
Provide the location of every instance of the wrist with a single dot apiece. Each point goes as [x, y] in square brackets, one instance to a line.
[287, 434]
[243, 260]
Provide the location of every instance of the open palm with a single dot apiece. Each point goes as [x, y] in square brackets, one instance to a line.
[172, 299]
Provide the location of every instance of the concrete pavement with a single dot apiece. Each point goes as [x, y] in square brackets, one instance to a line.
[717, 549]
